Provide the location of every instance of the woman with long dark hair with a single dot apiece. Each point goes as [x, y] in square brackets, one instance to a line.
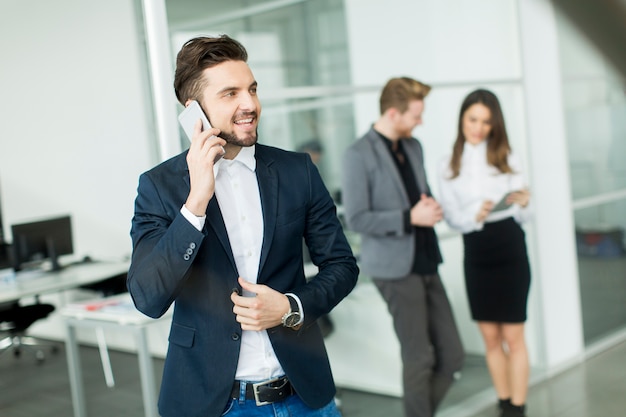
[484, 196]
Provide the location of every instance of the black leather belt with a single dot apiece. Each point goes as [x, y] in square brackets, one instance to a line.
[265, 392]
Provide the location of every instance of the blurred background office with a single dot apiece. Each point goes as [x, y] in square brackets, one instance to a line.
[87, 105]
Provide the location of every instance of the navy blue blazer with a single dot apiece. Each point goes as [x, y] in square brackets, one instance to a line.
[173, 262]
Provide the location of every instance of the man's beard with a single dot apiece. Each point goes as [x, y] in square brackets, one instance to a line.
[246, 141]
[405, 133]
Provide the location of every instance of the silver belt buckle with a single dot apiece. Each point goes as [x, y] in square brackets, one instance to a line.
[256, 392]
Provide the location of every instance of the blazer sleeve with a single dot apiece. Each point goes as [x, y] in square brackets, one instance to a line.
[164, 247]
[329, 250]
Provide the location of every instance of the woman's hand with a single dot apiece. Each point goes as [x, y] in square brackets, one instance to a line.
[484, 211]
[521, 197]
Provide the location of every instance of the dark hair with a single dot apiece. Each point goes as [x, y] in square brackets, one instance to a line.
[498, 147]
[198, 54]
[398, 92]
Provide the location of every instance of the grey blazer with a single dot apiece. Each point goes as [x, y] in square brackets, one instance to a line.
[375, 200]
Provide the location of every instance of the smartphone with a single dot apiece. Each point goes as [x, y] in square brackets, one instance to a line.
[190, 116]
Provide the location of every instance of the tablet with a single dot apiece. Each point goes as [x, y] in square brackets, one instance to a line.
[502, 204]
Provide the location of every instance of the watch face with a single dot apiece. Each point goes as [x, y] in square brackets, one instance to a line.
[292, 319]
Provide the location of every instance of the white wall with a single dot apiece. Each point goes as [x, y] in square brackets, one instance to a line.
[74, 131]
[438, 41]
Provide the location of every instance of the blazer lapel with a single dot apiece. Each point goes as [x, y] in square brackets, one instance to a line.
[414, 151]
[215, 221]
[268, 189]
[387, 162]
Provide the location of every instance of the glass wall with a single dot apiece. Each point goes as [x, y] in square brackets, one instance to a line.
[602, 268]
[595, 116]
[298, 53]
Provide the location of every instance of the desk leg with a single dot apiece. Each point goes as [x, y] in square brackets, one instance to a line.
[74, 369]
[104, 358]
[146, 370]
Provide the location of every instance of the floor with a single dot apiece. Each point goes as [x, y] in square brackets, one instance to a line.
[28, 389]
[594, 388]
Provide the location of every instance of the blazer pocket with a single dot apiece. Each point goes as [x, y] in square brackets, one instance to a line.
[182, 335]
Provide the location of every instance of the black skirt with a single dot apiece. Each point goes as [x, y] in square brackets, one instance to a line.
[497, 272]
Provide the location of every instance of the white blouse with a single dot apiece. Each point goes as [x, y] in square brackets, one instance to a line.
[462, 197]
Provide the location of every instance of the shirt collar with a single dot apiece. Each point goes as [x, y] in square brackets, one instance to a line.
[245, 156]
[389, 143]
[478, 148]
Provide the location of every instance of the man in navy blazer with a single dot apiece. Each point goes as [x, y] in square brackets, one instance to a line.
[218, 232]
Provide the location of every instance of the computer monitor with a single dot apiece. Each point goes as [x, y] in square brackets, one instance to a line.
[47, 239]
[5, 256]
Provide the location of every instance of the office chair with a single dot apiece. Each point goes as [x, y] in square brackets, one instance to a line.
[108, 287]
[15, 319]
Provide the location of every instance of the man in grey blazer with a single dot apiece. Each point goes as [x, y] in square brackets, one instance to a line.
[387, 200]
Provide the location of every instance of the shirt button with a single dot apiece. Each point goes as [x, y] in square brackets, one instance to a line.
[234, 336]
[189, 251]
[186, 257]
[192, 245]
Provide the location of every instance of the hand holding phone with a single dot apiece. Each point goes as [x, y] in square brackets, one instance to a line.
[189, 117]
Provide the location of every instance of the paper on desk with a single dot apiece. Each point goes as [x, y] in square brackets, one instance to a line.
[114, 304]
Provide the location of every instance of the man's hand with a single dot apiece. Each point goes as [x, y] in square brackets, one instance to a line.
[427, 212]
[205, 148]
[263, 310]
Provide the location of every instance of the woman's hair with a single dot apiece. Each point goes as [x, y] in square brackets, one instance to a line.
[398, 92]
[498, 147]
[198, 54]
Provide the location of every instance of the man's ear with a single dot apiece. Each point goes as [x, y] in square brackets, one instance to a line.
[188, 102]
[392, 113]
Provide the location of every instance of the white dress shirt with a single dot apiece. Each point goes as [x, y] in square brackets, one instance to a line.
[237, 192]
[462, 197]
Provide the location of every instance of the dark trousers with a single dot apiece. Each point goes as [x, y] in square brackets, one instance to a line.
[429, 340]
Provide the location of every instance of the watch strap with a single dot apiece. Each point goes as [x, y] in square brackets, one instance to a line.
[293, 304]
[292, 318]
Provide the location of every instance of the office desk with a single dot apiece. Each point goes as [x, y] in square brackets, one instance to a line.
[120, 317]
[30, 283]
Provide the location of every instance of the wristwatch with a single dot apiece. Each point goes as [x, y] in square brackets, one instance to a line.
[292, 317]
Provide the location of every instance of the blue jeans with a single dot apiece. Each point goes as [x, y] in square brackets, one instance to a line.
[292, 406]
